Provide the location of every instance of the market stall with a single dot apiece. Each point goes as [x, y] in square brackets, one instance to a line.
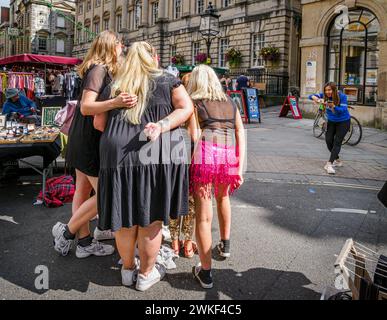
[38, 68]
[21, 140]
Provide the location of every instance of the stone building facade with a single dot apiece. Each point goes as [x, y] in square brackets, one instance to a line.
[172, 26]
[44, 27]
[346, 42]
[4, 24]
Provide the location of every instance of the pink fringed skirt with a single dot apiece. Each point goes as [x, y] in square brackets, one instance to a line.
[213, 166]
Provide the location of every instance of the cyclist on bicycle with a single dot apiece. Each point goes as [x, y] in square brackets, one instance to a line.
[339, 122]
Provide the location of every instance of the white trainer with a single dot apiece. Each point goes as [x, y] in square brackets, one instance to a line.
[129, 277]
[96, 249]
[338, 163]
[103, 235]
[156, 275]
[329, 168]
[61, 244]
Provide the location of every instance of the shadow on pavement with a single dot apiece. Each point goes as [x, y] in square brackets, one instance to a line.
[253, 284]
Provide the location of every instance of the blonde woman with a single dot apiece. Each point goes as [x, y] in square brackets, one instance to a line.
[96, 71]
[144, 166]
[217, 164]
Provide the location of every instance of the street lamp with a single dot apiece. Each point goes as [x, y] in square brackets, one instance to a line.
[209, 27]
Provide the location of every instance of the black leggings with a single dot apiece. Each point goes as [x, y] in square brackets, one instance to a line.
[334, 137]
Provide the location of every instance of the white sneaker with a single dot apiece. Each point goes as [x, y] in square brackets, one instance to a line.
[130, 276]
[329, 168]
[166, 233]
[103, 235]
[61, 244]
[145, 282]
[96, 248]
[338, 163]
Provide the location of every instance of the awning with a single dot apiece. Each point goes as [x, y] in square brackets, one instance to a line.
[189, 68]
[37, 58]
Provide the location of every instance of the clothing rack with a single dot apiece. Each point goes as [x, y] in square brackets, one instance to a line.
[359, 267]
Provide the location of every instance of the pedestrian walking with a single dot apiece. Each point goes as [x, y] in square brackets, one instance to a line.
[339, 122]
[144, 167]
[242, 82]
[217, 164]
[96, 71]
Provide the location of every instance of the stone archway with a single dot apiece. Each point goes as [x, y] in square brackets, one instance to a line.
[330, 13]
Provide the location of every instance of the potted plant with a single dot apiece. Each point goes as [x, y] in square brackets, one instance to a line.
[178, 59]
[201, 58]
[270, 54]
[234, 57]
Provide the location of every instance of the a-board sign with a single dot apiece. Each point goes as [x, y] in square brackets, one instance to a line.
[253, 104]
[291, 104]
[239, 99]
[48, 115]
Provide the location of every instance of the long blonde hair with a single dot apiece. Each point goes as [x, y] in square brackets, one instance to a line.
[102, 51]
[205, 85]
[136, 76]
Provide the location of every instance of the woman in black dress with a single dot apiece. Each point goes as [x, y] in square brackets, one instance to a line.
[96, 71]
[143, 178]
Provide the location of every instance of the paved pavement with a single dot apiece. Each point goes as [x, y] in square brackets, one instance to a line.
[285, 235]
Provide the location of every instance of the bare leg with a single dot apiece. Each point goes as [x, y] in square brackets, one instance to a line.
[126, 244]
[203, 211]
[79, 223]
[82, 194]
[149, 242]
[224, 212]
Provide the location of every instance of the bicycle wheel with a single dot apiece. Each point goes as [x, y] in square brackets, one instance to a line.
[319, 125]
[348, 135]
[357, 132]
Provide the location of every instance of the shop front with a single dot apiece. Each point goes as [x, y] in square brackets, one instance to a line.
[348, 46]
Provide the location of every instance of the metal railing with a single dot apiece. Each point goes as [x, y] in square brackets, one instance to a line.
[276, 83]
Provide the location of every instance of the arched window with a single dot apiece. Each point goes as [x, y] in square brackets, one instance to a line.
[353, 55]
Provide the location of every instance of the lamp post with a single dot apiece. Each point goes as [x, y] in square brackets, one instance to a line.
[209, 27]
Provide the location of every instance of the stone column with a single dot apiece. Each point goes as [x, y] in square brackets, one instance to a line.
[125, 20]
[312, 50]
[381, 106]
[163, 9]
[186, 8]
[145, 13]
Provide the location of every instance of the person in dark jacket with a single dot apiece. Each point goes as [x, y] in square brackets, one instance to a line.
[339, 122]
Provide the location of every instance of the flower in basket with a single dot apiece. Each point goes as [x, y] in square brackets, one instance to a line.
[270, 53]
[178, 59]
[234, 57]
[201, 58]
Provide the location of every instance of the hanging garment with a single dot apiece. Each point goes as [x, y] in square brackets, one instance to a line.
[40, 87]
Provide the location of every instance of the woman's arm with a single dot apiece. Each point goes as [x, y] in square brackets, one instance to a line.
[100, 121]
[240, 141]
[183, 110]
[91, 107]
[193, 129]
[316, 97]
[343, 104]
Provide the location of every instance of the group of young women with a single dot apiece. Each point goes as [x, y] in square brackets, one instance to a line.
[142, 143]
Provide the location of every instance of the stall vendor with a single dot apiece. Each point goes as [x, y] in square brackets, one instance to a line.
[19, 103]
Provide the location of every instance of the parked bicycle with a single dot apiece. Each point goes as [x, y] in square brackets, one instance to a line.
[353, 136]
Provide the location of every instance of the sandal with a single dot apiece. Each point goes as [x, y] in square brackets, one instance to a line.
[176, 246]
[191, 252]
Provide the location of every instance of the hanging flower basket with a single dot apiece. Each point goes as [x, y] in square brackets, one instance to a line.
[178, 59]
[201, 58]
[270, 53]
[234, 57]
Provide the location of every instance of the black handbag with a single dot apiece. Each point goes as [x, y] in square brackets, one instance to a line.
[382, 195]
